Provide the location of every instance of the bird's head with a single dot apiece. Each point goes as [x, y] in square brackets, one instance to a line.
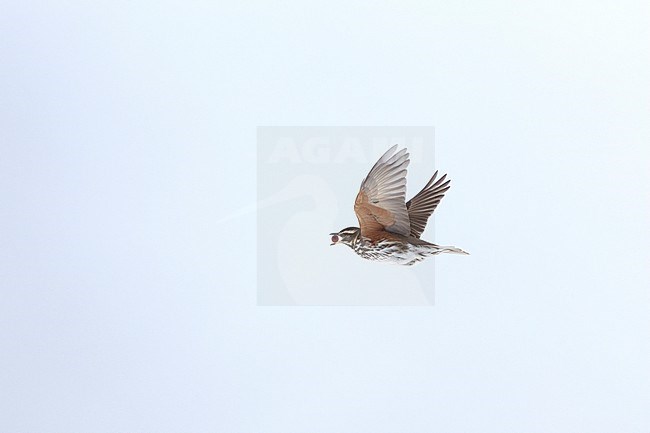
[348, 236]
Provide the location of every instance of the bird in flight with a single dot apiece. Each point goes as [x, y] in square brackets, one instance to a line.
[390, 228]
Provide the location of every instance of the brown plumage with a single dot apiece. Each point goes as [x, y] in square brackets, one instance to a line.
[389, 227]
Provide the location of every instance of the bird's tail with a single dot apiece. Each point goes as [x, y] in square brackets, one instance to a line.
[452, 250]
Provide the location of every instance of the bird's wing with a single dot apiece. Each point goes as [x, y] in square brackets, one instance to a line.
[380, 202]
[424, 203]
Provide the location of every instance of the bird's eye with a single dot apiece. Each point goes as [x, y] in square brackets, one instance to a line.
[335, 239]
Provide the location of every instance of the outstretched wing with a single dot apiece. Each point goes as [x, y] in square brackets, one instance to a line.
[380, 202]
[424, 203]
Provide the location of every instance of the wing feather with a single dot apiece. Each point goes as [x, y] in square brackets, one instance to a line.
[424, 203]
[380, 203]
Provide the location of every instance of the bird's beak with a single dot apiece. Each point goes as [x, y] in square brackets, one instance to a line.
[332, 234]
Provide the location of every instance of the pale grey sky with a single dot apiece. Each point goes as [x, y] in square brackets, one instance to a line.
[128, 129]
